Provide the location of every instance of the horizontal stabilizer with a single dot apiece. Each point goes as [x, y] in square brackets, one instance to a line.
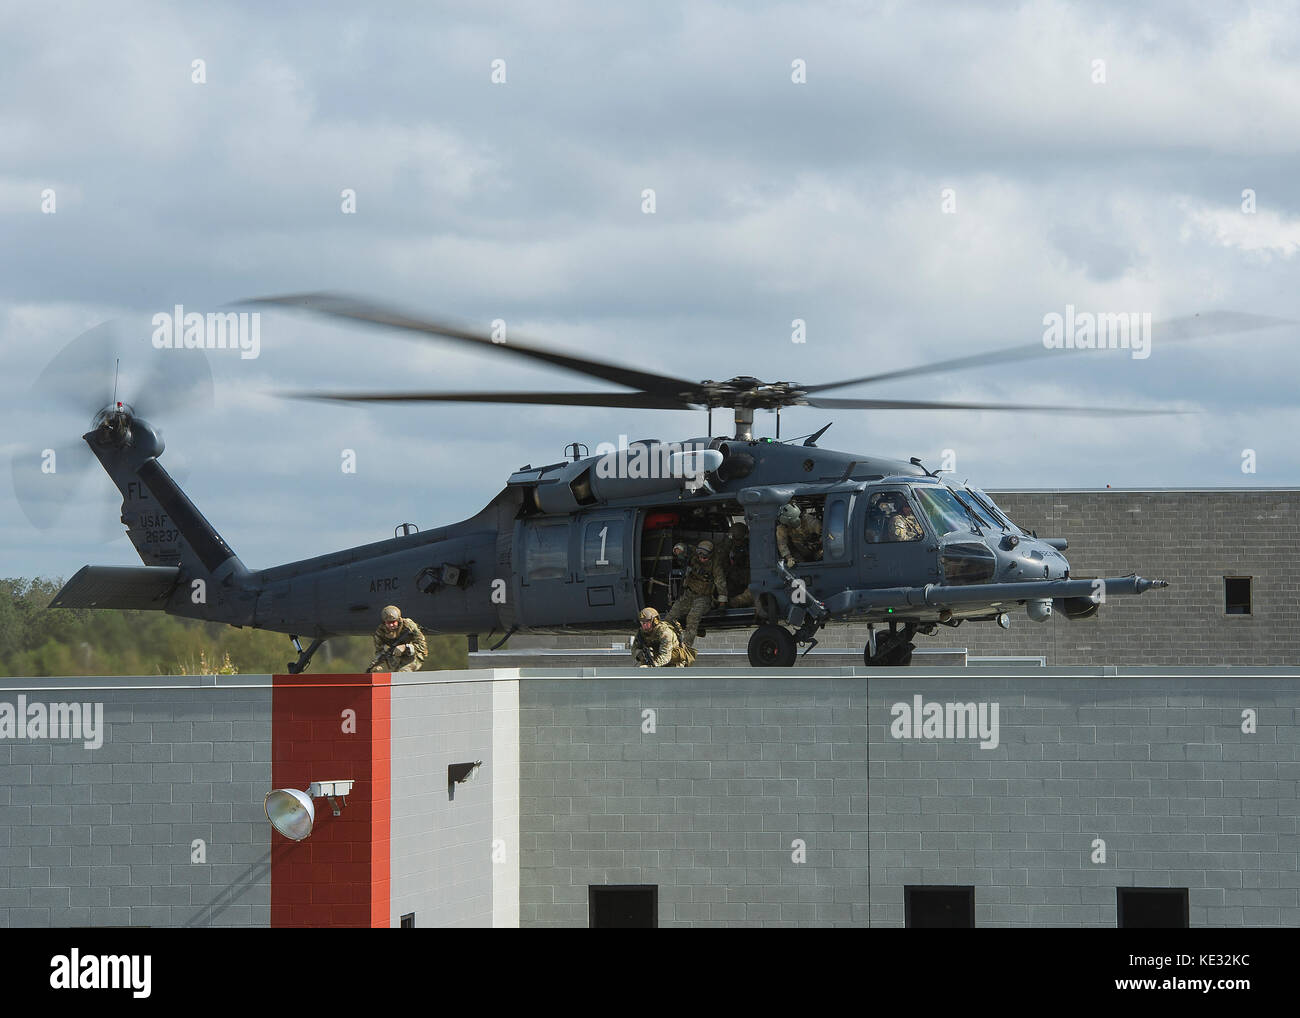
[143, 588]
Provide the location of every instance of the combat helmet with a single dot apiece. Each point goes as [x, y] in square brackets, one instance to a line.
[789, 514]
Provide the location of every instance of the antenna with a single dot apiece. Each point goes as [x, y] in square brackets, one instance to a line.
[117, 364]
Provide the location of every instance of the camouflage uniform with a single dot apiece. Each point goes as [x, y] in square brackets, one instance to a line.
[408, 632]
[662, 645]
[904, 527]
[801, 542]
[701, 580]
[733, 559]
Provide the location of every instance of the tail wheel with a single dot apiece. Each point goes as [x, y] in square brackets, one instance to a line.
[772, 646]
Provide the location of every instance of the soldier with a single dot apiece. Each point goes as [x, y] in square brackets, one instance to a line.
[902, 525]
[798, 535]
[734, 560]
[701, 580]
[399, 643]
[656, 645]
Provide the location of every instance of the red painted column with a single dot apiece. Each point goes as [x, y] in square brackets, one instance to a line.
[333, 728]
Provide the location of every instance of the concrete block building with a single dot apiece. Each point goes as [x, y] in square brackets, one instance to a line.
[1065, 796]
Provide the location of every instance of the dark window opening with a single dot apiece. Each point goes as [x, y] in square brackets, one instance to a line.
[939, 907]
[1236, 595]
[669, 539]
[408, 921]
[626, 907]
[967, 563]
[1151, 907]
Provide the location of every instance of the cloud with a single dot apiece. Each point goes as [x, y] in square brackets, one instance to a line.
[775, 201]
[1263, 234]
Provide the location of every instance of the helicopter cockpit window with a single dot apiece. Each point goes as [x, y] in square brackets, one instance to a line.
[942, 509]
[546, 551]
[982, 516]
[890, 518]
[602, 547]
[987, 503]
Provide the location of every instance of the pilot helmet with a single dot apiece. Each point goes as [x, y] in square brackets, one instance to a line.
[789, 514]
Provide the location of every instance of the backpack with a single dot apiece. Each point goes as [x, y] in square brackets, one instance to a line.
[686, 652]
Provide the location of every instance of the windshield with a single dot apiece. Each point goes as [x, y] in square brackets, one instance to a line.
[988, 504]
[981, 515]
[942, 509]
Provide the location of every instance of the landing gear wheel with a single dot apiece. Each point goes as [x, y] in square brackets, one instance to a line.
[772, 646]
[893, 649]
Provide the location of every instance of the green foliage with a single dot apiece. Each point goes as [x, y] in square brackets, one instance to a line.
[36, 640]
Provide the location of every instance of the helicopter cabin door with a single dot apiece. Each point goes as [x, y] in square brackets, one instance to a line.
[898, 548]
[604, 572]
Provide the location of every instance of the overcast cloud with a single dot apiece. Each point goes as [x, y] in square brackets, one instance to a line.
[775, 201]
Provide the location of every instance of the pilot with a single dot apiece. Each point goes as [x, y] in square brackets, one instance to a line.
[902, 525]
[734, 561]
[798, 535]
[702, 578]
[658, 645]
[399, 644]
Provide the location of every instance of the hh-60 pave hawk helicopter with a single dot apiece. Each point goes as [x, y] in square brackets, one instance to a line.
[584, 544]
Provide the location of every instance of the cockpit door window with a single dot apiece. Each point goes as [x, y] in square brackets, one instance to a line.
[891, 519]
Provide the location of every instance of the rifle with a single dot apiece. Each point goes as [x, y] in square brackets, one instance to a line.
[639, 637]
[388, 651]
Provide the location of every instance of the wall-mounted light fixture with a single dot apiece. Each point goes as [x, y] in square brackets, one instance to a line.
[458, 774]
[292, 812]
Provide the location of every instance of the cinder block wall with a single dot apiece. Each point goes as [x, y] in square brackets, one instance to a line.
[445, 865]
[712, 804]
[111, 836]
[163, 824]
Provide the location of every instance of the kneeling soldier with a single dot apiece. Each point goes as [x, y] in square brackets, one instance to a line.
[656, 644]
[399, 644]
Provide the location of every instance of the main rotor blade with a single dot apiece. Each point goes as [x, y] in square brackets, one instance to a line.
[832, 403]
[1174, 330]
[628, 400]
[340, 306]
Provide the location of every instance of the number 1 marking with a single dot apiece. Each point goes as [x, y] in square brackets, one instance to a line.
[603, 561]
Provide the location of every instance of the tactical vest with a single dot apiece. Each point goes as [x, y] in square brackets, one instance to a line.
[699, 577]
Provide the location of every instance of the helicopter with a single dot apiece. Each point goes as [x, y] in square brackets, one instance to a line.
[583, 544]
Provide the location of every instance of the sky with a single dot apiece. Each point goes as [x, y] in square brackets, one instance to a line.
[912, 182]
